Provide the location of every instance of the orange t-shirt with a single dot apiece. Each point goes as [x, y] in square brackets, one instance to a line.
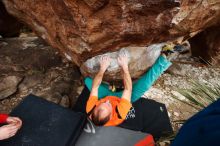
[121, 104]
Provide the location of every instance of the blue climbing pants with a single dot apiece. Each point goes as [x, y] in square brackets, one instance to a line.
[140, 86]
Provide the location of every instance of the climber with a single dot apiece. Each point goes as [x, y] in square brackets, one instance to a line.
[108, 108]
[11, 128]
[105, 110]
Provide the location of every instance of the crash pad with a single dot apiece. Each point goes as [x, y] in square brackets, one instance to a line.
[45, 124]
[148, 116]
[112, 136]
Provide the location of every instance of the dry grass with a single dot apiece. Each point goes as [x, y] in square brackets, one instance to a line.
[200, 95]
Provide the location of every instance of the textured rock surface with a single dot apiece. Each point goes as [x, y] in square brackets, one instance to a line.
[82, 29]
[8, 85]
[140, 58]
[207, 45]
[9, 26]
[29, 66]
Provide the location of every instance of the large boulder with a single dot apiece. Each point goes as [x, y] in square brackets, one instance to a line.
[140, 58]
[82, 29]
[30, 66]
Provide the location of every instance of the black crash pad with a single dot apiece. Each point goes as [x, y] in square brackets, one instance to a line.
[45, 124]
[148, 116]
[110, 136]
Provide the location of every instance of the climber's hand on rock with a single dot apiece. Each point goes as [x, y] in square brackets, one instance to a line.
[104, 62]
[123, 61]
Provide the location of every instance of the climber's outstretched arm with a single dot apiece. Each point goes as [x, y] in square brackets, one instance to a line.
[104, 63]
[123, 62]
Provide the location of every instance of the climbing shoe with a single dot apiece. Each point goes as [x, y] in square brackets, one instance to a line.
[172, 51]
